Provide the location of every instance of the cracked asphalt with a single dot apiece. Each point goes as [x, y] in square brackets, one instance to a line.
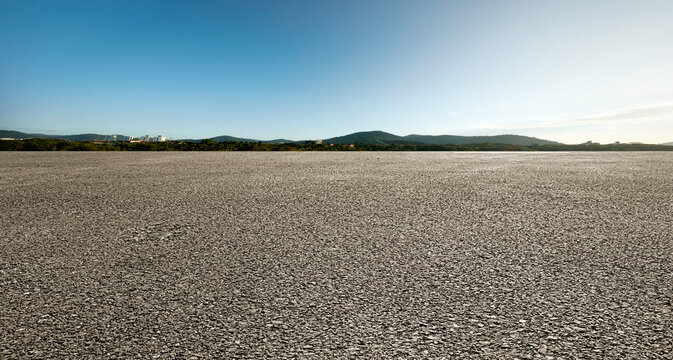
[336, 255]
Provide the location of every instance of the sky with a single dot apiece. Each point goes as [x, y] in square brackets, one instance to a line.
[569, 71]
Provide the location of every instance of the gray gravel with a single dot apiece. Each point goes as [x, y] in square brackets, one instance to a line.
[324, 255]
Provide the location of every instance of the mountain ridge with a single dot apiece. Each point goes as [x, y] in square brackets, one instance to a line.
[363, 137]
[382, 137]
[496, 139]
[77, 137]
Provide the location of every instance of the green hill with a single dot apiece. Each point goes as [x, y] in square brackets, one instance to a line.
[13, 134]
[496, 139]
[224, 138]
[368, 137]
[79, 137]
[381, 137]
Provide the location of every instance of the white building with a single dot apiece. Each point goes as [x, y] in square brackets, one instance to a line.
[161, 138]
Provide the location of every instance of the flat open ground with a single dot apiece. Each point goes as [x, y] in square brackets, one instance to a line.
[265, 255]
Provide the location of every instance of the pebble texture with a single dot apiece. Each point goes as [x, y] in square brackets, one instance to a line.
[336, 255]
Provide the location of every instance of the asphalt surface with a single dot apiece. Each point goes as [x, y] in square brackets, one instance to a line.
[336, 255]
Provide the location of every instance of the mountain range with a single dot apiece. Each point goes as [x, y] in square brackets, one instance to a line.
[224, 138]
[380, 137]
[79, 137]
[365, 137]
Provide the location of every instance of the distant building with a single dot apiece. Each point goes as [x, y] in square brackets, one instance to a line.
[6, 138]
[318, 142]
[590, 143]
[147, 138]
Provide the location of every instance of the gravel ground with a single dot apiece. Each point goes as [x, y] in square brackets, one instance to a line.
[336, 255]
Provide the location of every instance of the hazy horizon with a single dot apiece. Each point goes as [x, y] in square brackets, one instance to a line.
[563, 71]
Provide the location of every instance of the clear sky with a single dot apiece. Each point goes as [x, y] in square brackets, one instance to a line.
[569, 71]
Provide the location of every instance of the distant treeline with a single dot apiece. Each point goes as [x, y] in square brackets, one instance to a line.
[209, 145]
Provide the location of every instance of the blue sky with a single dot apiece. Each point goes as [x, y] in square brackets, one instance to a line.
[569, 71]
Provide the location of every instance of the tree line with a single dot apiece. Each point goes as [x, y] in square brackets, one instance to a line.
[209, 145]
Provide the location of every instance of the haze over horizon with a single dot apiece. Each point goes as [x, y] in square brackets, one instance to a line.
[567, 71]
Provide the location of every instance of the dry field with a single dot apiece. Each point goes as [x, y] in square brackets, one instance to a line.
[336, 255]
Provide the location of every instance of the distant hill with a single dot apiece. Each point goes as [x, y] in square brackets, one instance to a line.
[496, 139]
[368, 137]
[79, 137]
[13, 134]
[223, 138]
[279, 141]
[381, 137]
[668, 143]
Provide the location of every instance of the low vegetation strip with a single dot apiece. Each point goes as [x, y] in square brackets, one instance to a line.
[209, 145]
